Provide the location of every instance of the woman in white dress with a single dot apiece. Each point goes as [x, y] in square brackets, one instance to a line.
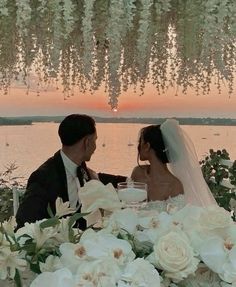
[173, 173]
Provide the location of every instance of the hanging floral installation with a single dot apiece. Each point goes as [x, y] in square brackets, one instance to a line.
[118, 44]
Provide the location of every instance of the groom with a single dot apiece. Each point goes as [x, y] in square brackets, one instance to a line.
[64, 173]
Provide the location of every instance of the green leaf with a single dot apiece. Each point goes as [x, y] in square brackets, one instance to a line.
[71, 235]
[49, 210]
[29, 247]
[142, 249]
[35, 268]
[17, 279]
[24, 235]
[51, 222]
[76, 217]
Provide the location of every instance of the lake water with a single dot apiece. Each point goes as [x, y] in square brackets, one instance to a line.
[29, 146]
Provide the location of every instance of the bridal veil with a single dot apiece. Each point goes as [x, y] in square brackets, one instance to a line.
[183, 163]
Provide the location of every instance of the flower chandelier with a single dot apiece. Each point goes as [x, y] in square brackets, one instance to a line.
[118, 44]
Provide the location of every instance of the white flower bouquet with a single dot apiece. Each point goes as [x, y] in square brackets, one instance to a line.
[193, 246]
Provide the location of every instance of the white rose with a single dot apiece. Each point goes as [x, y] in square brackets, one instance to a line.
[174, 255]
[215, 217]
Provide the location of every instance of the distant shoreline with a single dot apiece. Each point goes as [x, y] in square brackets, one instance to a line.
[29, 120]
[14, 122]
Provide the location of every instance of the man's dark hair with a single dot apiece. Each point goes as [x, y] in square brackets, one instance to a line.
[74, 127]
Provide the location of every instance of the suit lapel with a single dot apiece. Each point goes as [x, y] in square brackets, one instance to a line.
[63, 190]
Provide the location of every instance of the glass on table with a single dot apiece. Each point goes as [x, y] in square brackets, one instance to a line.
[133, 194]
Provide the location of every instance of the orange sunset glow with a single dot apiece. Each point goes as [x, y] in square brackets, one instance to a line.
[130, 104]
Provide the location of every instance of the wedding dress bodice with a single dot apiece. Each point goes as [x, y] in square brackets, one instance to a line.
[177, 202]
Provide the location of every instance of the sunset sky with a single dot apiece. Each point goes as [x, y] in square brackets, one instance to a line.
[152, 54]
[18, 103]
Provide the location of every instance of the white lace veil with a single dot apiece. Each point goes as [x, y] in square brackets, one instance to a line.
[183, 163]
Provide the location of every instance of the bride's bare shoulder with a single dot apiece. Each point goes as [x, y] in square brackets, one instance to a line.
[177, 187]
[139, 172]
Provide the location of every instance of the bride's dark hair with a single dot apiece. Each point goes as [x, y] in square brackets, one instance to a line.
[152, 135]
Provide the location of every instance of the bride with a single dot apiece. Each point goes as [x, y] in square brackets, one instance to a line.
[173, 173]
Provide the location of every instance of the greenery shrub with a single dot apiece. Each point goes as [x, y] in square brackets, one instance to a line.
[7, 182]
[212, 168]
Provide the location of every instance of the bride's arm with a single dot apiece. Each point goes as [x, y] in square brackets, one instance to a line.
[134, 174]
[138, 173]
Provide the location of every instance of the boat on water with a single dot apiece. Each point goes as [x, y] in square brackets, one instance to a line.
[6, 141]
[104, 142]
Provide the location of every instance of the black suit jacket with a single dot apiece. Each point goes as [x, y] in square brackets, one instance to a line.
[44, 186]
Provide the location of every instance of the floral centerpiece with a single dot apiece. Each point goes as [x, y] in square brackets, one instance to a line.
[192, 246]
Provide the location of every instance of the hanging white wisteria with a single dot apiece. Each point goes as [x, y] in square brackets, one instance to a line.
[118, 44]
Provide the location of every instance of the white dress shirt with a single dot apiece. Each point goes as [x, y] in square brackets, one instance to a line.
[73, 184]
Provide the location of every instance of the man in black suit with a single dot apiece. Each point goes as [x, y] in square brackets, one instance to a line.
[63, 174]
